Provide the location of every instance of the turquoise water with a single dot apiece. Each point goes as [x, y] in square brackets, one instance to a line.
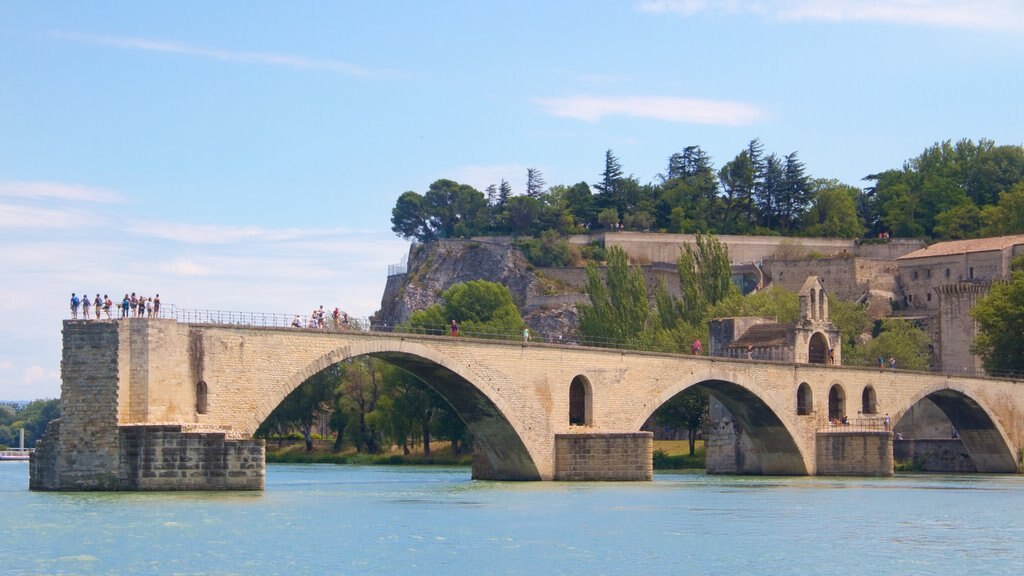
[325, 519]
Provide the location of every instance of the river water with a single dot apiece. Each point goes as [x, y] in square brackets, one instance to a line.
[326, 519]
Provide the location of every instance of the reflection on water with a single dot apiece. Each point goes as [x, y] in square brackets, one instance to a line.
[324, 519]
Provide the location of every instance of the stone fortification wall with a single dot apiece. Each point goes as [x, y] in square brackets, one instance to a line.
[666, 248]
[957, 328]
[854, 454]
[846, 278]
[166, 458]
[582, 457]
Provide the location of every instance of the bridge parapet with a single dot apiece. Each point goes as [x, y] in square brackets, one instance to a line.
[519, 399]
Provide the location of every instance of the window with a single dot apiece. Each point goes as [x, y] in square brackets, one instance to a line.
[947, 272]
[929, 296]
[914, 275]
[579, 402]
[970, 272]
[804, 403]
[201, 394]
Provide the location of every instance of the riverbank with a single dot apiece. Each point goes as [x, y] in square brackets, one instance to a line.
[668, 455]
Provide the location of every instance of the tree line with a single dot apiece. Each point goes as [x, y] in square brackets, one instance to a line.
[950, 191]
[31, 417]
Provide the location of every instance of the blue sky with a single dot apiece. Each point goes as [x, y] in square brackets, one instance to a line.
[246, 155]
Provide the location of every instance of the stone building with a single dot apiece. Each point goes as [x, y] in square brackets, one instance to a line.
[942, 282]
[812, 339]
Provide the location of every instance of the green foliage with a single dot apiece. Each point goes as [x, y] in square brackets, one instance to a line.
[898, 339]
[851, 318]
[483, 309]
[688, 410]
[834, 211]
[550, 249]
[951, 190]
[705, 278]
[32, 417]
[1000, 318]
[619, 310]
[783, 304]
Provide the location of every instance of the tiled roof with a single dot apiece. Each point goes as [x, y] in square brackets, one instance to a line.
[763, 335]
[965, 246]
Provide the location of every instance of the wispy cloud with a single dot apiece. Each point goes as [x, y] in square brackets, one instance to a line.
[15, 217]
[970, 14]
[268, 58]
[671, 109]
[58, 191]
[222, 234]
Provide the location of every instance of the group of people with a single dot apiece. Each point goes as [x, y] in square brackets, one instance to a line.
[318, 319]
[131, 306]
[882, 362]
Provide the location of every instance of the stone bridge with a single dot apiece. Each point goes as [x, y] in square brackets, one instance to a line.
[155, 404]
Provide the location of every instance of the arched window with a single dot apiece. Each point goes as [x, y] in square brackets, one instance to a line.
[817, 351]
[869, 401]
[579, 402]
[804, 400]
[836, 402]
[201, 394]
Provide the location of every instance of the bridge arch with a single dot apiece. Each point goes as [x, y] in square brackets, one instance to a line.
[778, 451]
[817, 348]
[500, 452]
[985, 440]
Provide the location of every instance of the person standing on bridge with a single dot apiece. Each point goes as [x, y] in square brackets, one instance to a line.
[85, 306]
[97, 305]
[75, 301]
[526, 334]
[455, 328]
[696, 348]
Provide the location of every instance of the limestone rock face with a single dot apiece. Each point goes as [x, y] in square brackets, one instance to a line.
[436, 266]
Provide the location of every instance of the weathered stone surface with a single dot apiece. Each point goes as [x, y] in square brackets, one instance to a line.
[514, 397]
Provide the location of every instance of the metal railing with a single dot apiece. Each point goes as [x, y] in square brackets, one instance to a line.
[363, 324]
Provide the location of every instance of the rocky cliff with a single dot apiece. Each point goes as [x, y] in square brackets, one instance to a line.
[435, 266]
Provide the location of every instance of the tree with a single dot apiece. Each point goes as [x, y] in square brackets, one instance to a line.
[534, 183]
[482, 308]
[408, 219]
[1006, 217]
[689, 409]
[705, 277]
[833, 213]
[898, 339]
[1000, 318]
[301, 408]
[618, 309]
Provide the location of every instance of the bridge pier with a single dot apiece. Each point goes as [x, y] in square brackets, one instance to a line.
[87, 448]
[605, 456]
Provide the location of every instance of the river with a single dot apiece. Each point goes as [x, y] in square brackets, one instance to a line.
[326, 519]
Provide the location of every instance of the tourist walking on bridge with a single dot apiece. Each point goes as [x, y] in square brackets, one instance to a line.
[85, 307]
[75, 302]
[97, 305]
[455, 328]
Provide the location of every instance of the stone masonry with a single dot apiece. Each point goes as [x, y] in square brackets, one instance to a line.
[514, 397]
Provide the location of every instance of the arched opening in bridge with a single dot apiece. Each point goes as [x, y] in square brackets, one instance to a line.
[869, 400]
[202, 393]
[742, 433]
[949, 431]
[836, 402]
[817, 351]
[580, 402]
[804, 400]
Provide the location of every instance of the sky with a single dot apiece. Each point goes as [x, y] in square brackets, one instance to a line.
[246, 155]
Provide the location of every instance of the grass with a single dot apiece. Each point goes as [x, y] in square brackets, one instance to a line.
[295, 453]
[675, 455]
[668, 455]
